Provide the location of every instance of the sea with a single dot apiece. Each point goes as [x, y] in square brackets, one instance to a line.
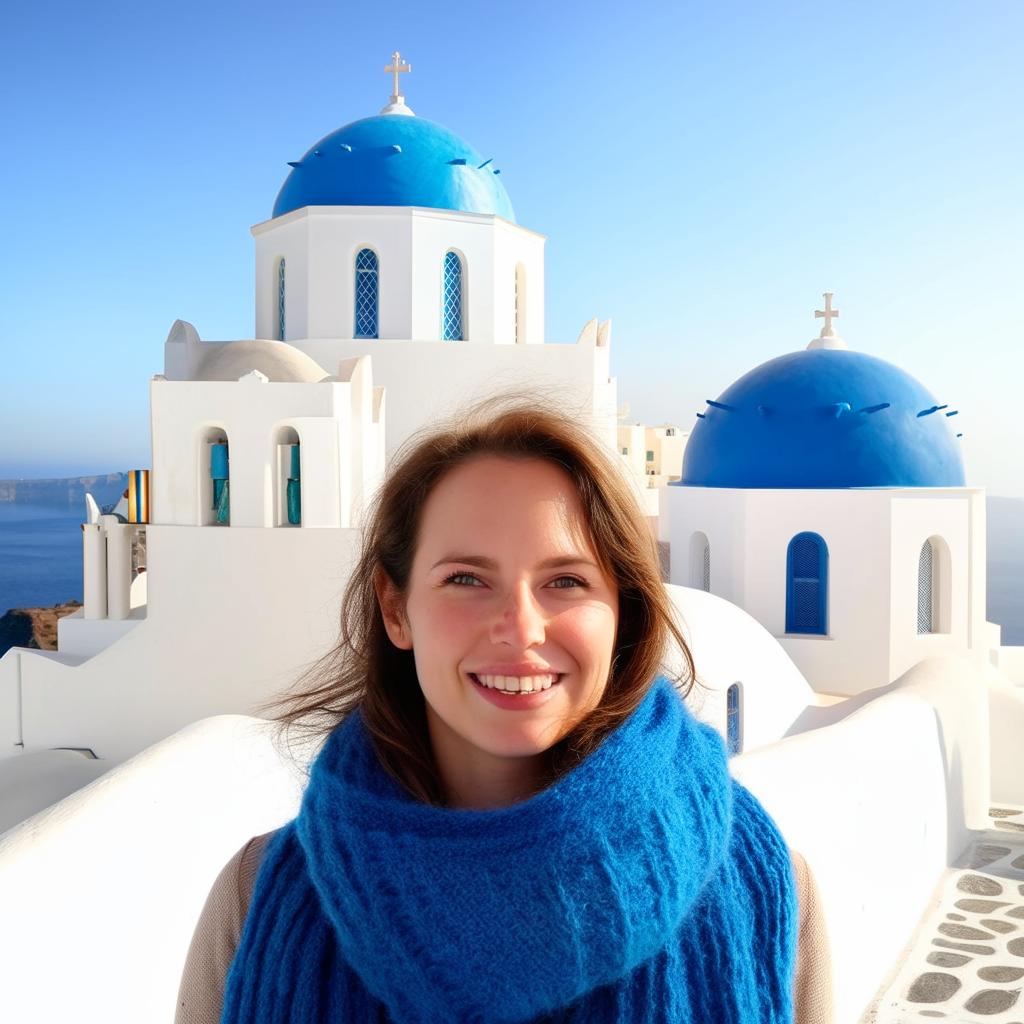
[40, 555]
[41, 561]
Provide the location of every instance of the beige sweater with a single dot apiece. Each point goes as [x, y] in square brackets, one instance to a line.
[219, 931]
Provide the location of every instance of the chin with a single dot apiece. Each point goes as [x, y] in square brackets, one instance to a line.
[540, 739]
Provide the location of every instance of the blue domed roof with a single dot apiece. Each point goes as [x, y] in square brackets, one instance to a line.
[824, 417]
[394, 160]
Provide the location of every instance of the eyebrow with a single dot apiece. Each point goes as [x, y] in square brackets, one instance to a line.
[558, 561]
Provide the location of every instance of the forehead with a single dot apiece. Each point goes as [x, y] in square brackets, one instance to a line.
[496, 500]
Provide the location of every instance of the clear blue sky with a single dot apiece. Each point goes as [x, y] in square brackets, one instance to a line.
[703, 173]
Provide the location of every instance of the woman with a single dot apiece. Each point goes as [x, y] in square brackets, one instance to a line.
[513, 817]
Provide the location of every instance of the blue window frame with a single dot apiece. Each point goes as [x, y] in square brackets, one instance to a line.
[807, 585]
[734, 719]
[367, 302]
[280, 300]
[451, 300]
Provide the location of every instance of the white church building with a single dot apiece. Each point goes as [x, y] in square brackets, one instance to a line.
[823, 492]
[825, 557]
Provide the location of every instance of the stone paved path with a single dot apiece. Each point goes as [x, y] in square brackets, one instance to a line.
[967, 966]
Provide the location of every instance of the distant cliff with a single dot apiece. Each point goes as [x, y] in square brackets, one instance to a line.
[66, 492]
[33, 627]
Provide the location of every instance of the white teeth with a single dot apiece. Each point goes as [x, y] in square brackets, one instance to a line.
[518, 684]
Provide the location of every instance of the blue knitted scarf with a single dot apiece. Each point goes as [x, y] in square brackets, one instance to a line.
[642, 885]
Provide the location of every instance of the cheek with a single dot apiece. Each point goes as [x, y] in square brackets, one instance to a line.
[442, 625]
[588, 630]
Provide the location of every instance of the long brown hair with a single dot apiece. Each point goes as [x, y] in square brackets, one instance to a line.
[365, 670]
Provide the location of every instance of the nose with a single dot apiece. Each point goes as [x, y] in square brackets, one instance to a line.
[521, 621]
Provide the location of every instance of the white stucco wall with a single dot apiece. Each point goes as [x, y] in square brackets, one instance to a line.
[1010, 662]
[234, 617]
[32, 782]
[333, 421]
[729, 646]
[946, 517]
[426, 381]
[101, 892]
[880, 803]
[10, 702]
[874, 538]
[319, 244]
[1006, 724]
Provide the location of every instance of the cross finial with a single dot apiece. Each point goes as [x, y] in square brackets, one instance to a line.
[829, 314]
[396, 68]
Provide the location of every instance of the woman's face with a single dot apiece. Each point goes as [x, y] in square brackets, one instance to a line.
[505, 586]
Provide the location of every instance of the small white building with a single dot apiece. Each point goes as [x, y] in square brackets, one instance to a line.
[823, 492]
[654, 454]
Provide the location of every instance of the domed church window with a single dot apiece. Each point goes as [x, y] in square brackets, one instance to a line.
[934, 578]
[367, 301]
[451, 298]
[734, 719]
[280, 299]
[807, 585]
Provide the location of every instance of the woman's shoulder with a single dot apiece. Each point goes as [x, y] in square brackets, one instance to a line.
[247, 865]
[217, 935]
[232, 889]
[813, 975]
[801, 875]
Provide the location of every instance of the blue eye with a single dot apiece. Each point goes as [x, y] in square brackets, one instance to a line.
[565, 582]
[462, 579]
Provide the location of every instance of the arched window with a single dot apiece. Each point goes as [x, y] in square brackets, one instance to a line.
[280, 299]
[926, 589]
[366, 294]
[287, 482]
[700, 562]
[734, 719]
[930, 573]
[451, 298]
[807, 585]
[934, 587]
[220, 504]
[520, 304]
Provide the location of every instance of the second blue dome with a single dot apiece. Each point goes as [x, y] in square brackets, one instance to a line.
[395, 160]
[824, 418]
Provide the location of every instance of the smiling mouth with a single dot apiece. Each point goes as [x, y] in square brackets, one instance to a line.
[517, 684]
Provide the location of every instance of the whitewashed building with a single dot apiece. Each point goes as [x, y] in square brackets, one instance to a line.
[823, 492]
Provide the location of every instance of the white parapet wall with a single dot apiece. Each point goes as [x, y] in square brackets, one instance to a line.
[10, 702]
[101, 892]
[879, 804]
[234, 616]
[1010, 662]
[730, 648]
[104, 889]
[1006, 718]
